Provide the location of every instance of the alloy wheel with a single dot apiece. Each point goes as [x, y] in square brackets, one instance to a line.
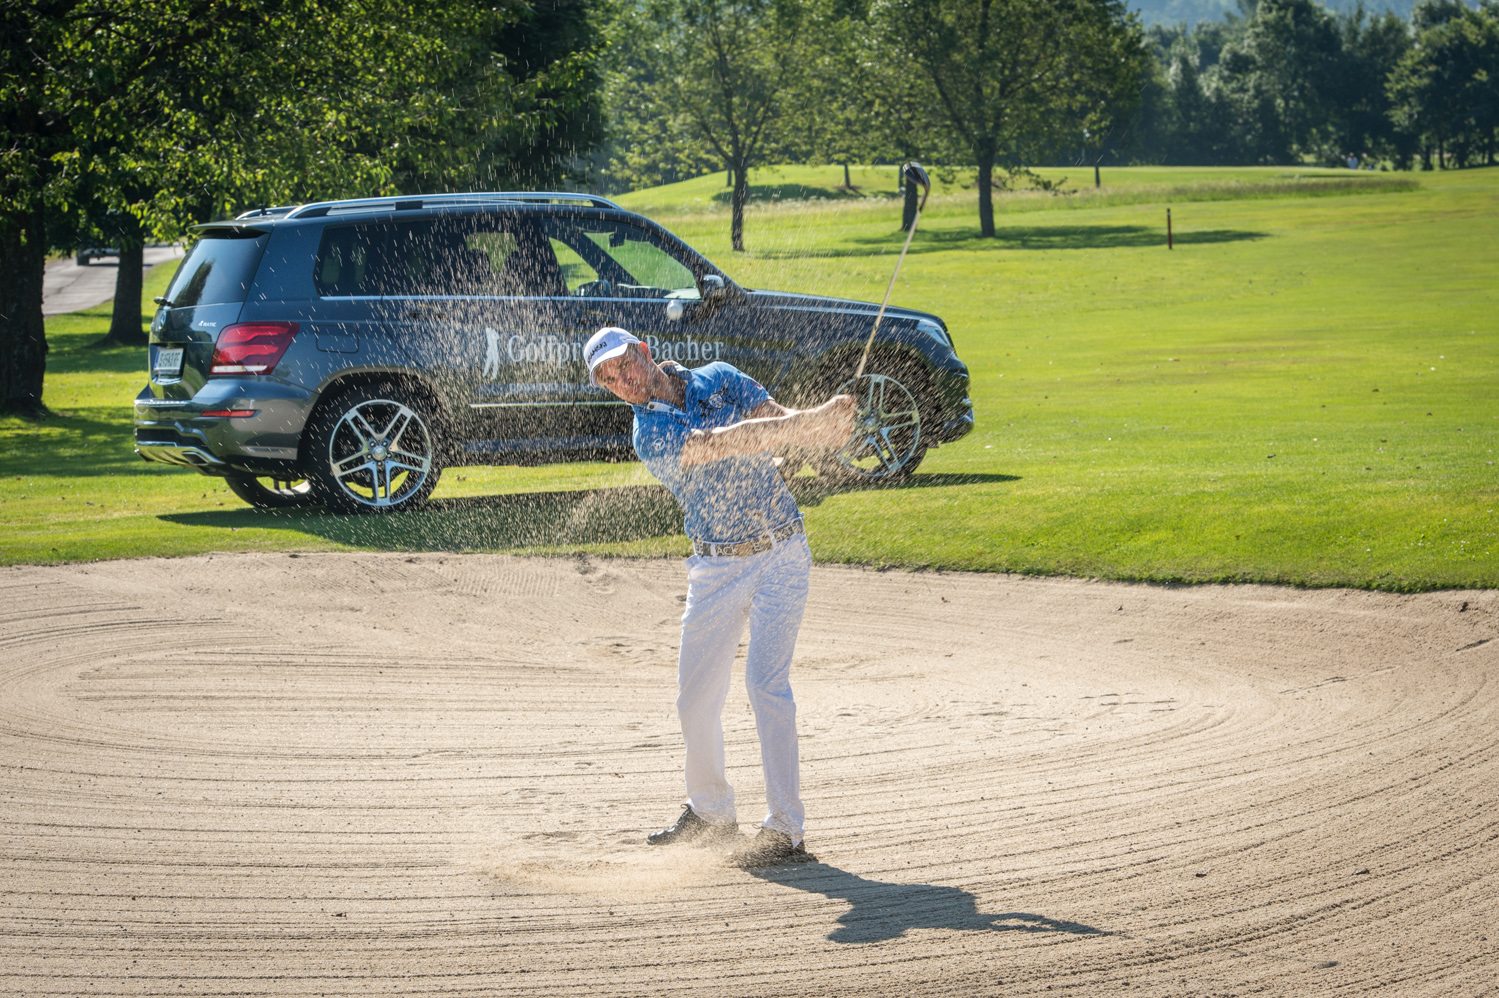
[380, 453]
[887, 443]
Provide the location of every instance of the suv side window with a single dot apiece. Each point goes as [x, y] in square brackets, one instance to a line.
[483, 255]
[624, 255]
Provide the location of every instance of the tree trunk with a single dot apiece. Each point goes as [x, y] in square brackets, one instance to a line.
[847, 183]
[986, 195]
[125, 323]
[23, 337]
[728, 175]
[1097, 178]
[741, 194]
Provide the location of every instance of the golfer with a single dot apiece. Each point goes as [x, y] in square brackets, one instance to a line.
[708, 435]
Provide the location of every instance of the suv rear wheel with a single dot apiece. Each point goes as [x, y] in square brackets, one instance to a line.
[373, 450]
[267, 492]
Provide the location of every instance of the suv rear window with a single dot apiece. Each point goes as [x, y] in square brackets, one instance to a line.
[218, 269]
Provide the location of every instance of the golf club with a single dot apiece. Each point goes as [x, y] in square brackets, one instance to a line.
[913, 173]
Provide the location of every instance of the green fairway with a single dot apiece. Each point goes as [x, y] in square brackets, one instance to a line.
[1303, 390]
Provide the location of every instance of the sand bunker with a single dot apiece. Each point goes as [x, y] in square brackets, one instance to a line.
[394, 775]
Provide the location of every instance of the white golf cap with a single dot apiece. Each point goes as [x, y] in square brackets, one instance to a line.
[606, 344]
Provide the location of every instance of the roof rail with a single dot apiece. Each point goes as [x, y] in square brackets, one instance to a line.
[410, 201]
[262, 212]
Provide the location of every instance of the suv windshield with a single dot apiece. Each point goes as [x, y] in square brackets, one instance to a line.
[218, 269]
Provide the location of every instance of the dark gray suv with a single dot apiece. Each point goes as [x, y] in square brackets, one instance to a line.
[345, 352]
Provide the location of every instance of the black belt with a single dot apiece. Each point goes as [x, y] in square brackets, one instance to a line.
[754, 545]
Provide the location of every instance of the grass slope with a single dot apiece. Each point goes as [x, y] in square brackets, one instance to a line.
[1302, 391]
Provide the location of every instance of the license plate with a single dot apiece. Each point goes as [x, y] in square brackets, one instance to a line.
[168, 362]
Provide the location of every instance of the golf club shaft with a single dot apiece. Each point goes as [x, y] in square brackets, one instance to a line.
[864, 358]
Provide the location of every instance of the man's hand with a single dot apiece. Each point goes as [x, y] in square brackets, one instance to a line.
[826, 427]
[698, 449]
[837, 415]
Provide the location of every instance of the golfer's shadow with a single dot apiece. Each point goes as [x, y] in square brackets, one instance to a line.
[879, 910]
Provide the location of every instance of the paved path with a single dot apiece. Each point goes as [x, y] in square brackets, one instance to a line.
[68, 287]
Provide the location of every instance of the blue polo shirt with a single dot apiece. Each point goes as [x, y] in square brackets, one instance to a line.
[724, 501]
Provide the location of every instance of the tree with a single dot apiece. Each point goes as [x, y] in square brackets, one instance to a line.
[484, 96]
[703, 88]
[1007, 76]
[834, 92]
[1194, 114]
[1358, 103]
[1445, 89]
[144, 114]
[1295, 47]
[648, 140]
[733, 60]
[853, 103]
[1276, 77]
[62, 69]
[1114, 101]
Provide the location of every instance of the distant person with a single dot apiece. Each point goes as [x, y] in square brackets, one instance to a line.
[710, 435]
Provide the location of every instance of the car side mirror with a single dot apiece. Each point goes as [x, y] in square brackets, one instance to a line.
[717, 292]
[713, 293]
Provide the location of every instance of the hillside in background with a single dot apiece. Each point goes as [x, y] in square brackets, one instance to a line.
[1192, 11]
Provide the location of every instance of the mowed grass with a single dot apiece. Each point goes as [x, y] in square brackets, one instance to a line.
[1302, 391]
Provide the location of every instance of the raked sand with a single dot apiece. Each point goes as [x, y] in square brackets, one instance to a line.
[356, 774]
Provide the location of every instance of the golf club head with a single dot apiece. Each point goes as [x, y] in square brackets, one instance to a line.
[916, 174]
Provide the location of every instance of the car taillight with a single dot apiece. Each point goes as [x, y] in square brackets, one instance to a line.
[251, 347]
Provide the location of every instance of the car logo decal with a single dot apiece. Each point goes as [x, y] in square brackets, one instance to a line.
[492, 353]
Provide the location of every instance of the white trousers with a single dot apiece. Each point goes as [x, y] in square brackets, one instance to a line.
[769, 591]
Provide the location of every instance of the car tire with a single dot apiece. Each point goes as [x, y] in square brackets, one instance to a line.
[373, 449]
[889, 439]
[270, 492]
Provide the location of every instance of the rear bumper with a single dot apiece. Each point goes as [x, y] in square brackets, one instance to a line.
[182, 454]
[176, 432]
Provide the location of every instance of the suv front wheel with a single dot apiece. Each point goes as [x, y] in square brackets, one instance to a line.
[373, 450]
[888, 442]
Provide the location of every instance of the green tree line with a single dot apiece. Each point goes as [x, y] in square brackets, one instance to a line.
[1006, 84]
[1171, 12]
[1286, 81]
